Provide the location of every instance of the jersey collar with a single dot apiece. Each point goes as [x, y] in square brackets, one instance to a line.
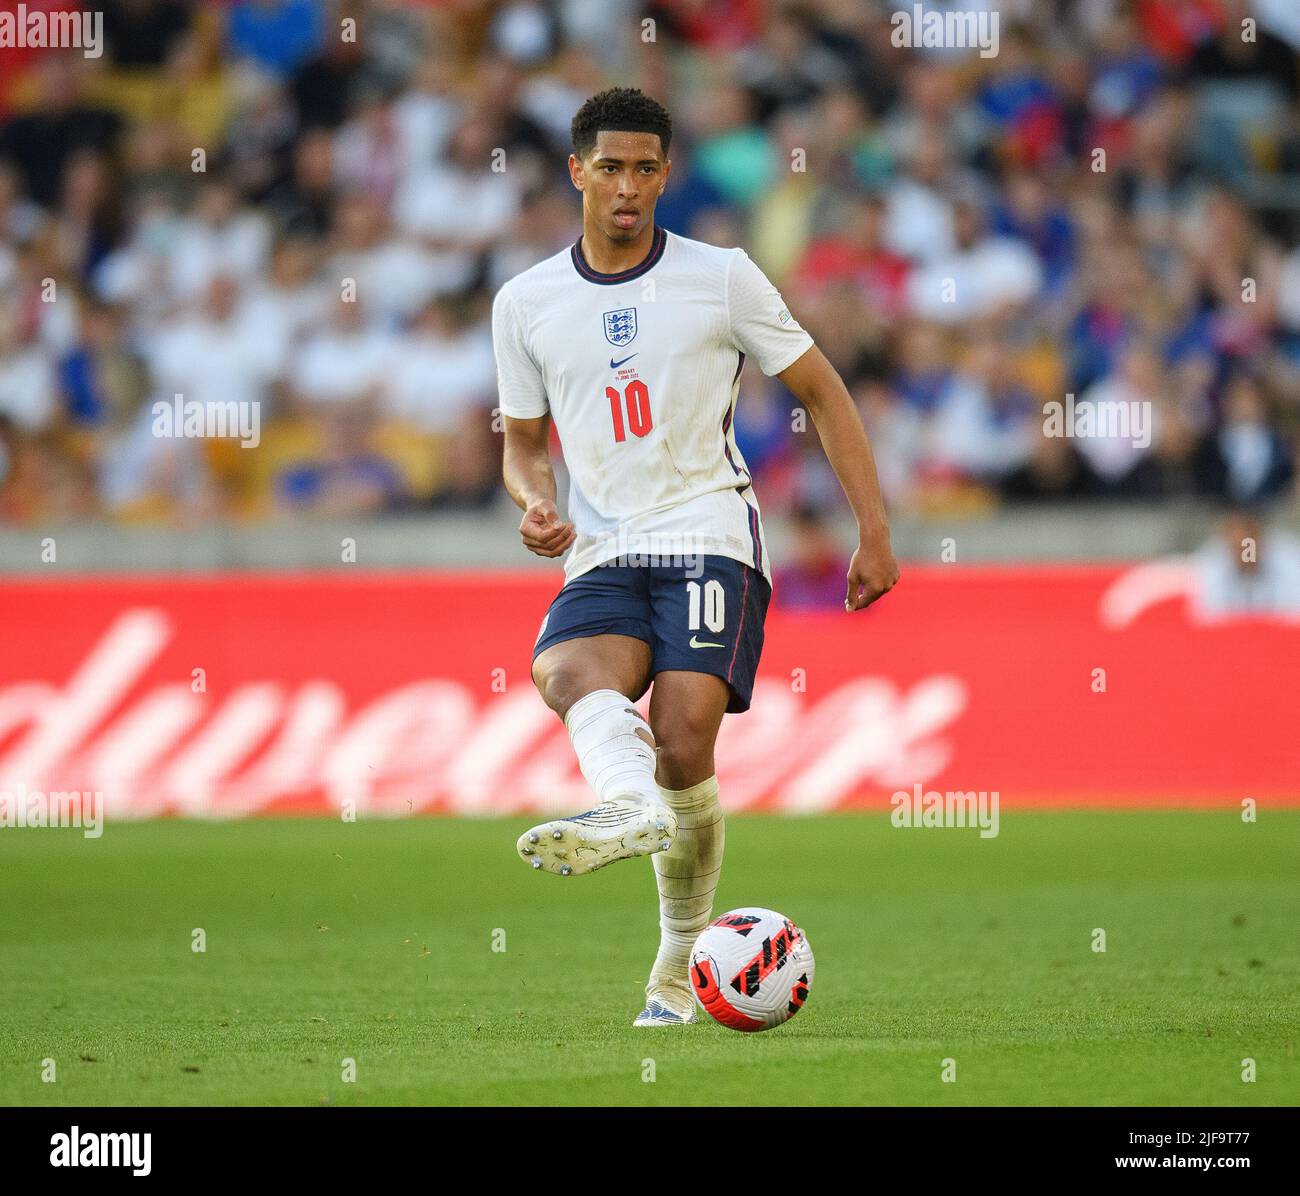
[656, 252]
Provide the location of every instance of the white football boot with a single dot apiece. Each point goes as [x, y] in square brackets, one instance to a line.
[614, 830]
[667, 1003]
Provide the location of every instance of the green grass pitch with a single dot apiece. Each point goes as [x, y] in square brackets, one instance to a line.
[328, 941]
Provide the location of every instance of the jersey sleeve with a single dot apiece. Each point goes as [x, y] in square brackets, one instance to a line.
[761, 324]
[521, 391]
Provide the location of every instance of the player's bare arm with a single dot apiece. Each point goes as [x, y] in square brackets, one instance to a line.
[812, 379]
[530, 481]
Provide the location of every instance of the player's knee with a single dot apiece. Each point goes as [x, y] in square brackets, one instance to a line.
[687, 727]
[684, 766]
[563, 682]
[685, 751]
[558, 684]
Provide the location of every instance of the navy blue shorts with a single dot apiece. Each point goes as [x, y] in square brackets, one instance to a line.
[705, 618]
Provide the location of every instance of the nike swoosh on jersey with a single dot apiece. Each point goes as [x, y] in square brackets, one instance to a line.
[613, 365]
[695, 643]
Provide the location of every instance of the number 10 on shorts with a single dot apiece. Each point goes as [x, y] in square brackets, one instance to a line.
[715, 605]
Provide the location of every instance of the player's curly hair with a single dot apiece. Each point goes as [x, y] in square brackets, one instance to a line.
[622, 109]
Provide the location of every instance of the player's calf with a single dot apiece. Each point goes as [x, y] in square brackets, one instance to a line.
[687, 878]
[686, 711]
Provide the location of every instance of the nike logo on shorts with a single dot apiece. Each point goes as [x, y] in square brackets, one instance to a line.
[695, 643]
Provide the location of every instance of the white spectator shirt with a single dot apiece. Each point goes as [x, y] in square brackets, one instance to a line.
[210, 362]
[28, 391]
[396, 279]
[1112, 454]
[640, 371]
[288, 315]
[918, 222]
[1225, 590]
[425, 123]
[975, 282]
[202, 252]
[452, 205]
[437, 381]
[338, 366]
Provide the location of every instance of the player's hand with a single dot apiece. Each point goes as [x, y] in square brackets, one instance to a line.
[543, 531]
[872, 573]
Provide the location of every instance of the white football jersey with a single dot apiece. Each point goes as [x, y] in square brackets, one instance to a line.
[640, 371]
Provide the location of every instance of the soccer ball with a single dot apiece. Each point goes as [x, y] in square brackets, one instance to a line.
[751, 969]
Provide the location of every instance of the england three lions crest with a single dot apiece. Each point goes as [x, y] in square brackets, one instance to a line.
[620, 326]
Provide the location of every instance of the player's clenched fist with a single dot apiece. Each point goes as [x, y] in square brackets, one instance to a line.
[872, 572]
[543, 531]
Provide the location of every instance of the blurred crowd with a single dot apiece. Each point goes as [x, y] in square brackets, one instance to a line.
[308, 206]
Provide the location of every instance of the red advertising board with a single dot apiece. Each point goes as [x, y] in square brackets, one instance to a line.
[404, 693]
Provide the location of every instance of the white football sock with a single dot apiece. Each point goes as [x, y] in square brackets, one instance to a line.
[687, 875]
[616, 761]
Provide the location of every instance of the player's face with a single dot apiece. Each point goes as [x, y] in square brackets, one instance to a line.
[621, 180]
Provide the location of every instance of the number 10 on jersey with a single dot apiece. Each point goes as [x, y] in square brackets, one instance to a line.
[636, 398]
